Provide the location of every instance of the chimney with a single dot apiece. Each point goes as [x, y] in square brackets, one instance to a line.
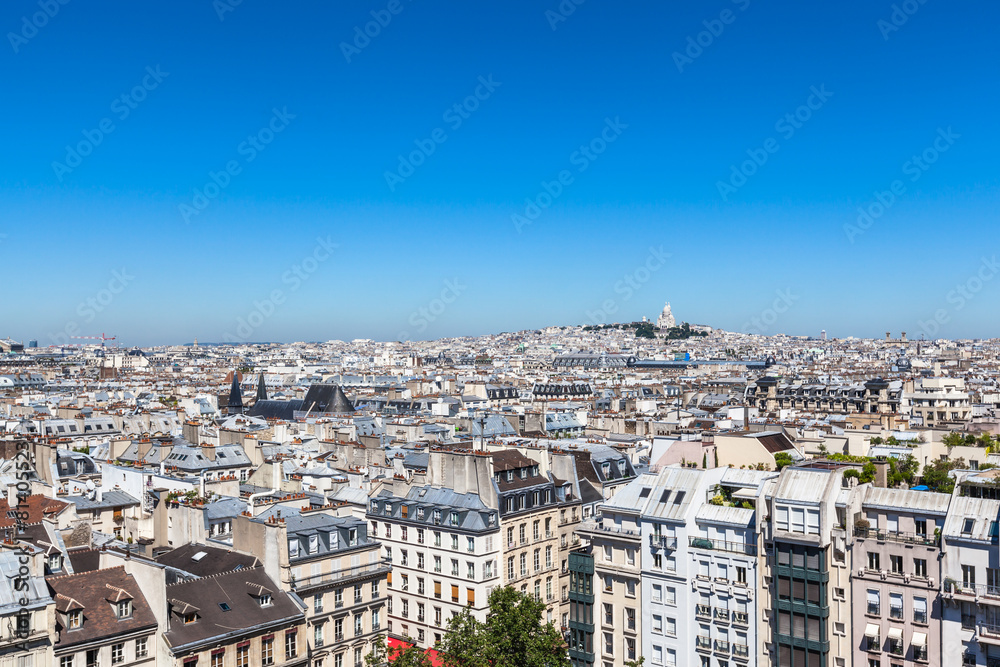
[903, 336]
[881, 473]
[887, 336]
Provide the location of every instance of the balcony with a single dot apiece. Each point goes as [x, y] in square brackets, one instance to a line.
[989, 633]
[896, 613]
[741, 651]
[371, 570]
[749, 549]
[894, 536]
[721, 615]
[662, 542]
[703, 643]
[703, 610]
[741, 618]
[722, 646]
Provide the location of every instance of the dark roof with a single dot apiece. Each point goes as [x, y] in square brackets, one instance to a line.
[272, 409]
[235, 395]
[589, 494]
[326, 398]
[214, 560]
[84, 560]
[96, 594]
[239, 590]
[261, 388]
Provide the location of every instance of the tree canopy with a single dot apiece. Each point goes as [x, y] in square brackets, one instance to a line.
[513, 635]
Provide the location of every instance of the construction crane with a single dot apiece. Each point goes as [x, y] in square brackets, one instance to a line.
[101, 338]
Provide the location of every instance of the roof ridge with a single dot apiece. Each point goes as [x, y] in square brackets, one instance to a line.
[91, 572]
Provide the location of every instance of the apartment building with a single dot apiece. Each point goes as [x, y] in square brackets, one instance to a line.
[896, 556]
[936, 401]
[970, 613]
[533, 511]
[616, 615]
[441, 533]
[27, 610]
[809, 569]
[334, 565]
[240, 618]
[102, 618]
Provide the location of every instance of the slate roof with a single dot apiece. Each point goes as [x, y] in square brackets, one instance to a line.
[239, 590]
[95, 593]
[12, 601]
[213, 561]
[109, 499]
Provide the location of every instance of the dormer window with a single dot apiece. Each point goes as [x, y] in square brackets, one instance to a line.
[74, 619]
[190, 618]
[374, 506]
[621, 466]
[510, 475]
[606, 469]
[264, 599]
[968, 525]
[352, 537]
[313, 543]
[524, 473]
[55, 562]
[124, 609]
[293, 548]
[454, 518]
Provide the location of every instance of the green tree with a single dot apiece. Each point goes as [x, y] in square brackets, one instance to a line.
[953, 439]
[704, 460]
[782, 459]
[867, 473]
[936, 475]
[513, 635]
[399, 656]
[636, 663]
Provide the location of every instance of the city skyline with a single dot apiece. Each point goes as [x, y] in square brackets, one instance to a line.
[176, 171]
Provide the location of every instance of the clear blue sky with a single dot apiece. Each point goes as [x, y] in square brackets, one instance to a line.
[678, 123]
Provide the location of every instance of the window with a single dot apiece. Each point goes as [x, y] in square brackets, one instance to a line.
[920, 610]
[243, 654]
[968, 576]
[671, 595]
[896, 564]
[375, 620]
[920, 527]
[74, 619]
[66, 661]
[317, 603]
[454, 542]
[873, 561]
[896, 606]
[267, 651]
[117, 653]
[657, 593]
[265, 600]
[291, 646]
[124, 609]
[968, 526]
[741, 575]
[670, 629]
[359, 625]
[920, 567]
[420, 561]
[318, 635]
[609, 644]
[609, 615]
[873, 602]
[141, 647]
[471, 547]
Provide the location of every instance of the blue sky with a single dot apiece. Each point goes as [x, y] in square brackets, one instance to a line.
[643, 109]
